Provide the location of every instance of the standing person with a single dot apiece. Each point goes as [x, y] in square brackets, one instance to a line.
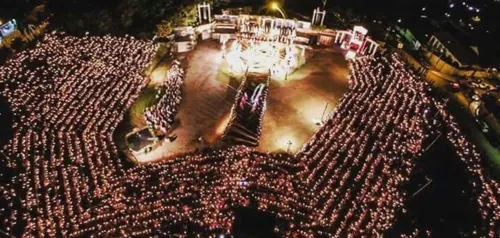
[244, 100]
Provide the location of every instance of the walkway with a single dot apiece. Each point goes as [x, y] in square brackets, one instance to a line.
[208, 95]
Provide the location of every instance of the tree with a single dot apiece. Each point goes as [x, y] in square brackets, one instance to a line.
[4, 54]
[134, 17]
[164, 29]
[343, 18]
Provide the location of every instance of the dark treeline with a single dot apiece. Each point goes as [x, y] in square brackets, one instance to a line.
[140, 17]
[16, 8]
[111, 16]
[135, 17]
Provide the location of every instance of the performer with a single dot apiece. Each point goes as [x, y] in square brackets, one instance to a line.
[244, 100]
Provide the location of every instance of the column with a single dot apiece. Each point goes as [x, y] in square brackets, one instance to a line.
[323, 17]
[374, 50]
[370, 48]
[209, 14]
[317, 15]
[199, 14]
[204, 11]
[314, 17]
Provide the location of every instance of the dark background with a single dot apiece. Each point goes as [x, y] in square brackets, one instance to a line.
[134, 16]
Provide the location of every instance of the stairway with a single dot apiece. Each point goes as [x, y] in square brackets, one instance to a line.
[244, 128]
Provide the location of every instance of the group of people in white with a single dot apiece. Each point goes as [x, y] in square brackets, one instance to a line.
[370, 145]
[262, 57]
[169, 97]
[366, 149]
[267, 33]
[350, 178]
[285, 65]
[68, 95]
[195, 194]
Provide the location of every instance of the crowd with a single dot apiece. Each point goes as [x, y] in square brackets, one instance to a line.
[484, 186]
[163, 113]
[268, 33]
[351, 184]
[286, 65]
[262, 57]
[67, 95]
[195, 195]
[366, 150]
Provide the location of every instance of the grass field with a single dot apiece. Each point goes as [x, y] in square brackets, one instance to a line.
[145, 100]
[134, 117]
[468, 125]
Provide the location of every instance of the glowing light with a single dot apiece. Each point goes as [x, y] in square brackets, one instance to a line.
[317, 121]
[350, 55]
[275, 6]
[361, 30]
[222, 124]
[261, 58]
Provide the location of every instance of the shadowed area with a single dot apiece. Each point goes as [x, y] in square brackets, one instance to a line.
[6, 119]
[439, 196]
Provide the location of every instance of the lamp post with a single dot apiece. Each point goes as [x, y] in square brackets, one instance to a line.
[276, 6]
[324, 111]
[388, 31]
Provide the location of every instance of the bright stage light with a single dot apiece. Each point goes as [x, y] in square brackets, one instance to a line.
[317, 121]
[350, 55]
[275, 6]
